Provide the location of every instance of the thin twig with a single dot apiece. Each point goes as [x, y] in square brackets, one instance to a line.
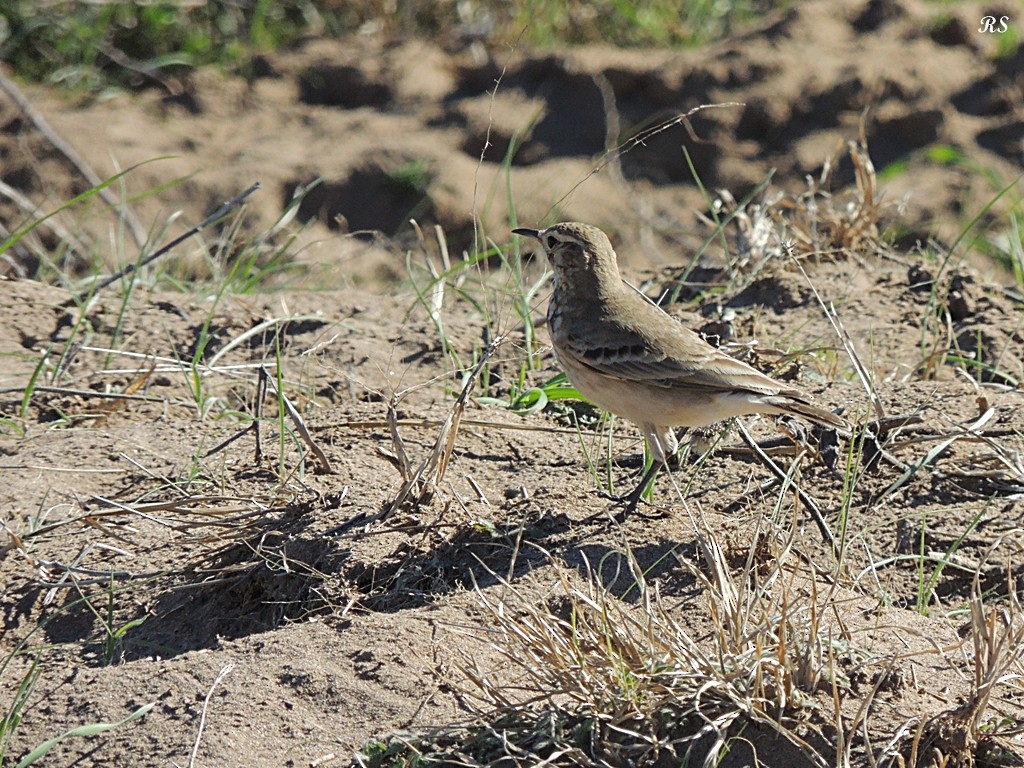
[844, 338]
[41, 124]
[933, 454]
[257, 410]
[70, 391]
[428, 475]
[434, 423]
[300, 425]
[223, 209]
[776, 470]
[206, 705]
[612, 155]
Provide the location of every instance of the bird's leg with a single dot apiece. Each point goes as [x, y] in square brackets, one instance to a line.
[631, 499]
[662, 444]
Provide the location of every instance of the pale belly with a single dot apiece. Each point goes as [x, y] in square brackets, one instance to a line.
[662, 406]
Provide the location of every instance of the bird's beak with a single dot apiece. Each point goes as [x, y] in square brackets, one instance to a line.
[527, 232]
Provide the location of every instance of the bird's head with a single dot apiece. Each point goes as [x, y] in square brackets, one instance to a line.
[574, 246]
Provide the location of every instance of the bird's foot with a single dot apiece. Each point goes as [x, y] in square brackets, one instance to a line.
[628, 505]
[630, 501]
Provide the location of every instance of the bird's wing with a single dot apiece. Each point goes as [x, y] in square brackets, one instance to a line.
[664, 353]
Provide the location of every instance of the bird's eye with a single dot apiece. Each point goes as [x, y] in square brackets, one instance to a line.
[551, 242]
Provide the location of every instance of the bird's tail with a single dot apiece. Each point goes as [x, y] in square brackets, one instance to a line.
[811, 412]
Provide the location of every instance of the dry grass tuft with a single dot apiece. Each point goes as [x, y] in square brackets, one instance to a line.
[598, 675]
[975, 731]
[614, 683]
[820, 222]
[814, 223]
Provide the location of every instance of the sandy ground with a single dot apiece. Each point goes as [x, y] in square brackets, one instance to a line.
[151, 556]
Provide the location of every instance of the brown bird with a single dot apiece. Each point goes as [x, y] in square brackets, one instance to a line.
[624, 353]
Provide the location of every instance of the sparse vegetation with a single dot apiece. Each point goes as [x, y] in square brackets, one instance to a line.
[355, 495]
[93, 45]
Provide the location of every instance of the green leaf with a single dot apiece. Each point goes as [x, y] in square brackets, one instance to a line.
[82, 730]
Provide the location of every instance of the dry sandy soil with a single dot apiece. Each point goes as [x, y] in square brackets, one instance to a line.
[268, 607]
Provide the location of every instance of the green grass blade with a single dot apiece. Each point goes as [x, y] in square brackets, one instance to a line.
[82, 730]
[19, 233]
